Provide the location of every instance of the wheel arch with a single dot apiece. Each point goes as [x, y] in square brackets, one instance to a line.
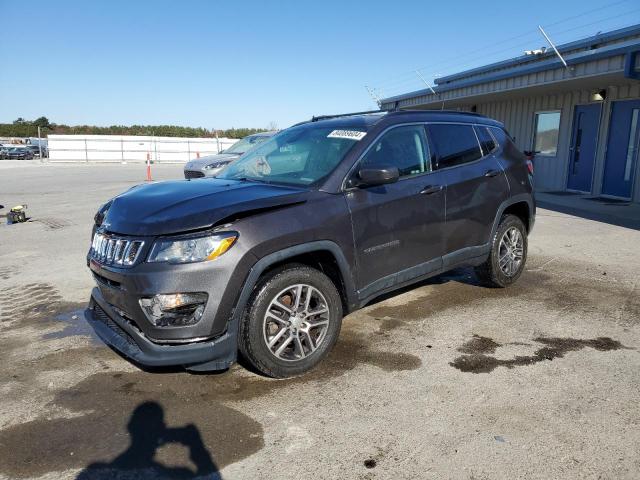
[521, 206]
[324, 255]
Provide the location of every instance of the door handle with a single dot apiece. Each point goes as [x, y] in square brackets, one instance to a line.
[431, 189]
[491, 173]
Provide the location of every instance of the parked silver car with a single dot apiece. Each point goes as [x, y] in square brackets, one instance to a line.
[212, 164]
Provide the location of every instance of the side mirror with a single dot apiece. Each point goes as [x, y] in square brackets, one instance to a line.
[378, 176]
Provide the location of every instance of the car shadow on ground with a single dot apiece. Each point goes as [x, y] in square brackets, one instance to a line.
[148, 432]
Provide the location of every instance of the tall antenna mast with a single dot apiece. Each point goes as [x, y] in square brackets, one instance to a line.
[554, 47]
[374, 96]
[425, 82]
[429, 87]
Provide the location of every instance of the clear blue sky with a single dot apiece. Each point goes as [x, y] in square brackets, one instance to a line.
[220, 64]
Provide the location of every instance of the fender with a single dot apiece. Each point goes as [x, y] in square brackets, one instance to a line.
[522, 197]
[229, 347]
[278, 256]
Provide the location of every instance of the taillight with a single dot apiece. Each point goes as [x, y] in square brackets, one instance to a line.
[530, 167]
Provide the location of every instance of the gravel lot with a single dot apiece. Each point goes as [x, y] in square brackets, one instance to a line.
[445, 380]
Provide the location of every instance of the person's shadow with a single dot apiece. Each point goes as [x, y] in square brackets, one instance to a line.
[148, 432]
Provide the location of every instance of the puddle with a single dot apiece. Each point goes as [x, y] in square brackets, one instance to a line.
[477, 360]
[479, 344]
[75, 325]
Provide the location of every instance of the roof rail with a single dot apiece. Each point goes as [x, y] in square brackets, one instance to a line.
[446, 112]
[325, 117]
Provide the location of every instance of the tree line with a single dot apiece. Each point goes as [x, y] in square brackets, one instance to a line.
[27, 128]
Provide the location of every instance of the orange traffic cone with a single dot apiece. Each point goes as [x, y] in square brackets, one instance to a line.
[149, 167]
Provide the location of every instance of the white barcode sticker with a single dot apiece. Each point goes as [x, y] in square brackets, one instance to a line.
[349, 134]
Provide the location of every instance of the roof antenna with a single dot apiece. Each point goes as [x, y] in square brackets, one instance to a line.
[430, 88]
[375, 97]
[554, 47]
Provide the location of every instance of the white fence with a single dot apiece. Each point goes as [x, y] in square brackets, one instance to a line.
[131, 148]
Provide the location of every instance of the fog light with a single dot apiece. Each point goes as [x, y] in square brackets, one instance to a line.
[174, 310]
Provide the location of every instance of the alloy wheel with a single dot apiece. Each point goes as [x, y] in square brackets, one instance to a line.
[296, 322]
[511, 251]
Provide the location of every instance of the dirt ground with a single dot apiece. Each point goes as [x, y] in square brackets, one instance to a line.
[445, 380]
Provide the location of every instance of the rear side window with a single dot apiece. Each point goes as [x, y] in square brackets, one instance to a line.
[454, 144]
[487, 142]
[403, 147]
[501, 136]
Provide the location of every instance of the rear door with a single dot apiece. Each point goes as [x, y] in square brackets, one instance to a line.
[476, 186]
[398, 228]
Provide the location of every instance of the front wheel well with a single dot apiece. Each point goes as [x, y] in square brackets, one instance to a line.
[324, 261]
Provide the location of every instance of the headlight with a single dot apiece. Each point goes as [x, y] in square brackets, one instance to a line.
[192, 249]
[214, 165]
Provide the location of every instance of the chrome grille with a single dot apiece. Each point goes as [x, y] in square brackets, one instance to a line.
[110, 250]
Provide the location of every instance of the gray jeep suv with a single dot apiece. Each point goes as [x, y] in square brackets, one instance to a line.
[266, 258]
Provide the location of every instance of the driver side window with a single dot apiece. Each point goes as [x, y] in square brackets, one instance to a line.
[403, 147]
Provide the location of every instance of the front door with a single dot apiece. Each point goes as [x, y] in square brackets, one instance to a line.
[584, 142]
[622, 148]
[398, 227]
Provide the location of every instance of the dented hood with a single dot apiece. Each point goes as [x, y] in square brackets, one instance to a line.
[177, 206]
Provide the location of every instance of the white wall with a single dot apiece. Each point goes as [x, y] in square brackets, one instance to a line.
[131, 148]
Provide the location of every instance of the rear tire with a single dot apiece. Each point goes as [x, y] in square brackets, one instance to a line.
[508, 254]
[292, 321]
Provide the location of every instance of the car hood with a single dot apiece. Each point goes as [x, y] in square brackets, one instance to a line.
[201, 162]
[178, 206]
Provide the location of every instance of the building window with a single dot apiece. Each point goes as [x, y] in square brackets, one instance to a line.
[545, 140]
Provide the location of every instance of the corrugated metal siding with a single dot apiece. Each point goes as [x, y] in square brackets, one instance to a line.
[518, 116]
[590, 68]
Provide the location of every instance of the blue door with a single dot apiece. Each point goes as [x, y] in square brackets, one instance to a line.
[622, 149]
[584, 142]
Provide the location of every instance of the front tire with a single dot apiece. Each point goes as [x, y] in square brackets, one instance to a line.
[292, 321]
[508, 254]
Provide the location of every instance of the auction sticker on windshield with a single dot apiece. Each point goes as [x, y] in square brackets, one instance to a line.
[349, 134]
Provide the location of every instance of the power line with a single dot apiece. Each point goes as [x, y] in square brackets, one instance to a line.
[415, 84]
[398, 84]
[525, 34]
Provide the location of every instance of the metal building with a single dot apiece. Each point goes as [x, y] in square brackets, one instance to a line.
[582, 118]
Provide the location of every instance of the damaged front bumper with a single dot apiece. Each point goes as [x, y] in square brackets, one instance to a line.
[122, 335]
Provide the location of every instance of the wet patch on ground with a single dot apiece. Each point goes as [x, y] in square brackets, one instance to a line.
[103, 404]
[54, 223]
[33, 304]
[74, 325]
[477, 360]
[460, 289]
[479, 345]
[105, 401]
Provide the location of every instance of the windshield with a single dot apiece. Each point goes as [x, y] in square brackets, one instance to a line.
[246, 143]
[297, 156]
